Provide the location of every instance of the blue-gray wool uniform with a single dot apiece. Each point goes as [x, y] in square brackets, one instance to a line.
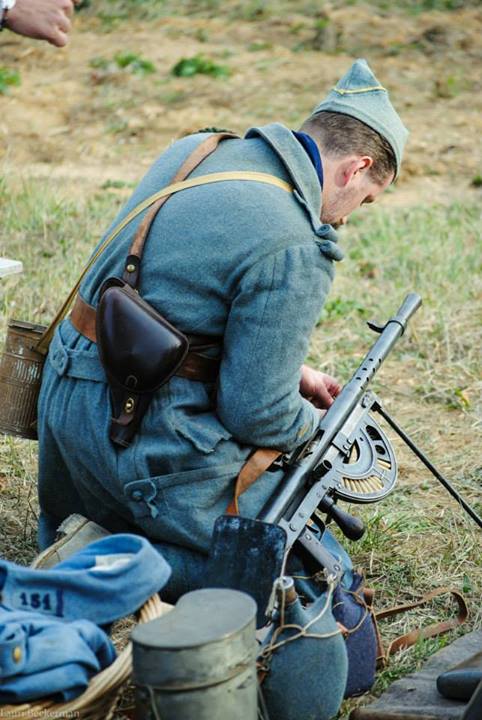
[245, 261]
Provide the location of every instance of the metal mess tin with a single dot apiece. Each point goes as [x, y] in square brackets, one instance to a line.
[20, 376]
[198, 662]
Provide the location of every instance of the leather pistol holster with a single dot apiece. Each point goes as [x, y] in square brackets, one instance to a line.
[139, 349]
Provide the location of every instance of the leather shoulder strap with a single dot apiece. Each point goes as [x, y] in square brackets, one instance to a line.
[203, 150]
[44, 342]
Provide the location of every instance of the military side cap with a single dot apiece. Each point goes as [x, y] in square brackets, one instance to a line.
[102, 582]
[361, 95]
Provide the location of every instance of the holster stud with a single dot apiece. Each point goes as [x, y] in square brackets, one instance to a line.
[129, 405]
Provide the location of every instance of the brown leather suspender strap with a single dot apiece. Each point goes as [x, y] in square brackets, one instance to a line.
[131, 274]
[43, 345]
[44, 342]
[83, 317]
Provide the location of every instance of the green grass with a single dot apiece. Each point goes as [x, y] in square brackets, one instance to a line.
[430, 251]
[129, 61]
[8, 78]
[199, 65]
[52, 236]
[417, 538]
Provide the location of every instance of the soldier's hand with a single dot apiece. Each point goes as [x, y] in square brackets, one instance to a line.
[42, 20]
[317, 387]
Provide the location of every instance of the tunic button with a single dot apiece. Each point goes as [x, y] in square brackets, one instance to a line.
[17, 654]
[136, 495]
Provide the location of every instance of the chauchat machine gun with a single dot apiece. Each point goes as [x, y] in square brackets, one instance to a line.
[349, 458]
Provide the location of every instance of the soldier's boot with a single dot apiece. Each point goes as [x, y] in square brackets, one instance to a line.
[74, 533]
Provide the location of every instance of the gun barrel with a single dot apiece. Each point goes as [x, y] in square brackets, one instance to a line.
[335, 418]
[408, 308]
[351, 394]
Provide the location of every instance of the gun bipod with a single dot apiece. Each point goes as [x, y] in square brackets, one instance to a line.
[424, 459]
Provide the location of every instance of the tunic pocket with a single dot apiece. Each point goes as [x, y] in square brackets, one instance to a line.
[181, 508]
[204, 431]
[193, 415]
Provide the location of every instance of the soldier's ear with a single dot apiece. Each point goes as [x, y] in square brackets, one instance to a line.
[353, 167]
[364, 163]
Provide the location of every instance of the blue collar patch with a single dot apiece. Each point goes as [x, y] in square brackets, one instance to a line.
[313, 153]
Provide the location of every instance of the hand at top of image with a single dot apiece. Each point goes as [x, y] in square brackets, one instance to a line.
[41, 20]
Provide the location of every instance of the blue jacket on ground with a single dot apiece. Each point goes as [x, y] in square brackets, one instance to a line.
[49, 640]
[240, 260]
[41, 656]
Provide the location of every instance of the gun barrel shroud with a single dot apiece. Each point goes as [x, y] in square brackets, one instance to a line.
[335, 418]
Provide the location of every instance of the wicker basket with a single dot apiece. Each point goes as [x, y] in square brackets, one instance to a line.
[99, 699]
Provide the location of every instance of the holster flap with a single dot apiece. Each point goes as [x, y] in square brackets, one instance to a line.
[139, 349]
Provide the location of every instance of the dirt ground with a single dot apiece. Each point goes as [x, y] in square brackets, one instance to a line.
[87, 125]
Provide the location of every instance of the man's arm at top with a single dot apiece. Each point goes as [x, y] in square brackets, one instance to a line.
[42, 20]
[266, 340]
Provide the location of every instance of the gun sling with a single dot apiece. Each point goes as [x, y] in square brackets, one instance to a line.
[138, 348]
[438, 628]
[253, 468]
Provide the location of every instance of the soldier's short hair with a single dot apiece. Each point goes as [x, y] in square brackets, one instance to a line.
[341, 134]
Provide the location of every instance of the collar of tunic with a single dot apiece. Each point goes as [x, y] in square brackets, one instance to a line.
[302, 174]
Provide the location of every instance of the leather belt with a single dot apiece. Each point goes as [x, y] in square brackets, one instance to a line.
[196, 366]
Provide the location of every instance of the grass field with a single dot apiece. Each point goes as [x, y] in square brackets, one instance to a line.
[417, 539]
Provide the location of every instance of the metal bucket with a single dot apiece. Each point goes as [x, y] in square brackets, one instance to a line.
[198, 662]
[20, 376]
